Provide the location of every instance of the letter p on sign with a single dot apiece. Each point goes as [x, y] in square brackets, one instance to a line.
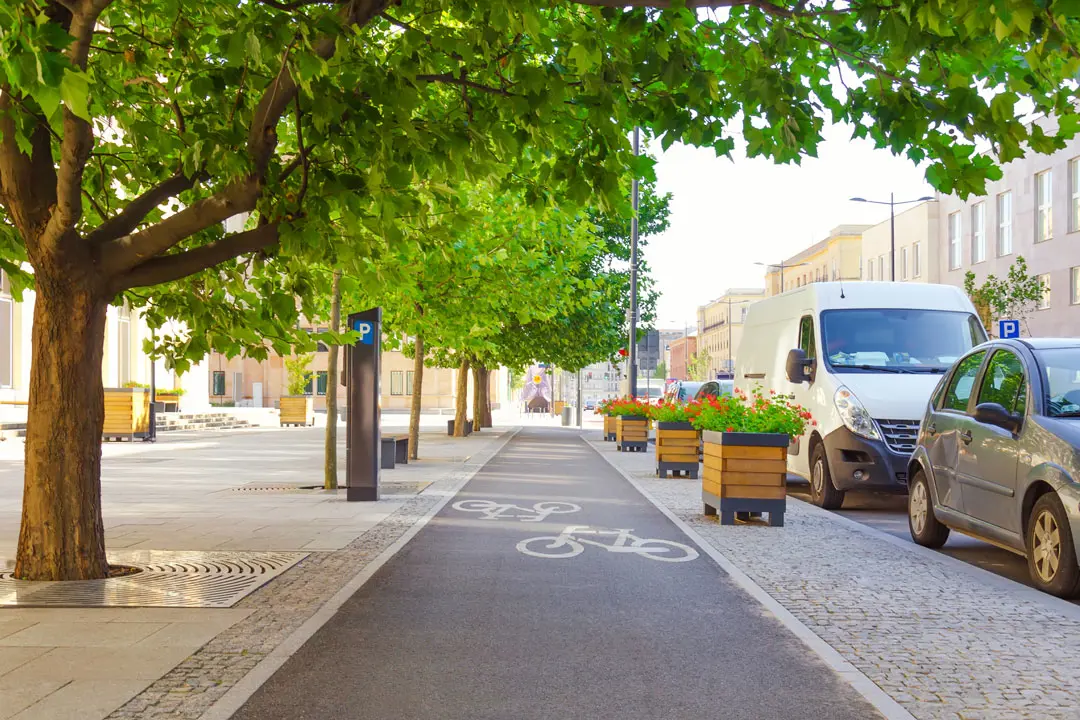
[1008, 329]
[367, 334]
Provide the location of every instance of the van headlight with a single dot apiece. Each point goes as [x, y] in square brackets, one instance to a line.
[854, 416]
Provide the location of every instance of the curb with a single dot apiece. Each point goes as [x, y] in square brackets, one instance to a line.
[882, 701]
[236, 696]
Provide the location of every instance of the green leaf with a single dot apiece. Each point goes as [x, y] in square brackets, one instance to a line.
[75, 91]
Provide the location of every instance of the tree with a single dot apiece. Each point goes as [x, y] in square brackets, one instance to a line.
[661, 371]
[698, 367]
[298, 374]
[330, 451]
[129, 133]
[1013, 297]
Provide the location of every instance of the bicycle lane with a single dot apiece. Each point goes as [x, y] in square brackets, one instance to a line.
[462, 624]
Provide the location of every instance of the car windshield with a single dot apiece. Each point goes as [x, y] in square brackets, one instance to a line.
[897, 340]
[1061, 377]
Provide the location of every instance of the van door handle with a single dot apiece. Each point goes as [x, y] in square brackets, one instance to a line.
[965, 435]
[931, 429]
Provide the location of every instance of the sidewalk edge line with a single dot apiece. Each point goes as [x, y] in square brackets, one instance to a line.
[236, 696]
[889, 708]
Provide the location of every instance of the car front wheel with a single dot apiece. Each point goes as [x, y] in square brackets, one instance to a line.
[926, 529]
[1050, 550]
[822, 491]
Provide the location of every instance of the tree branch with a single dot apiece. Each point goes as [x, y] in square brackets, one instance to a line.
[464, 82]
[179, 265]
[764, 5]
[129, 218]
[27, 183]
[126, 252]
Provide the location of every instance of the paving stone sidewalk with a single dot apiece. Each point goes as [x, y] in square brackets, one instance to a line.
[943, 639]
[169, 663]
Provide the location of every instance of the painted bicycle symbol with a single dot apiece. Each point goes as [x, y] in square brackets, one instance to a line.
[491, 510]
[571, 542]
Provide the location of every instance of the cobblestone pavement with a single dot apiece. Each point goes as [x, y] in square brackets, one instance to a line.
[280, 608]
[943, 640]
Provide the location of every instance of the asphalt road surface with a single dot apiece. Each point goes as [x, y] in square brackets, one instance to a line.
[469, 621]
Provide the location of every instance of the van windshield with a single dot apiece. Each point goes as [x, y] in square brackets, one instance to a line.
[897, 340]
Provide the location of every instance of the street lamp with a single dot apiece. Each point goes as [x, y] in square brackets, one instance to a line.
[730, 349]
[781, 266]
[892, 203]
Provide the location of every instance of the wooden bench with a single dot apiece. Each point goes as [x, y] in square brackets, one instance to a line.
[395, 449]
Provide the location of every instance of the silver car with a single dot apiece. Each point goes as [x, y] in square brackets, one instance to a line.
[997, 457]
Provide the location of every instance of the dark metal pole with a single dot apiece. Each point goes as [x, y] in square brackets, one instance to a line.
[781, 277]
[633, 273]
[892, 238]
[153, 392]
[579, 410]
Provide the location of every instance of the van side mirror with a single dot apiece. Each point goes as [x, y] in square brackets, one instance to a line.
[799, 367]
[997, 415]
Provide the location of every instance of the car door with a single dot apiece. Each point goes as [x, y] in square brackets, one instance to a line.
[941, 432]
[709, 389]
[987, 454]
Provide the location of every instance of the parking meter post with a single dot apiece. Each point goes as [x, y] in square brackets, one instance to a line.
[362, 432]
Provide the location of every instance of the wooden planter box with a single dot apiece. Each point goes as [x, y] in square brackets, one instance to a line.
[632, 433]
[676, 449]
[168, 399]
[609, 427]
[745, 473]
[450, 427]
[559, 405]
[297, 410]
[127, 414]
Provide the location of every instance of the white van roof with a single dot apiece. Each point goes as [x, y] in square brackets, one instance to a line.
[836, 296]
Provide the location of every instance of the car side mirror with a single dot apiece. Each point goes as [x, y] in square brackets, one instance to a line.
[996, 414]
[799, 367]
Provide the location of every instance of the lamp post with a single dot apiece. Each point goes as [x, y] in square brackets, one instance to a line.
[730, 322]
[892, 203]
[781, 266]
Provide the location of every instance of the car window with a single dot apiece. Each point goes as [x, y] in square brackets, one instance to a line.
[1003, 382]
[709, 389]
[806, 336]
[959, 392]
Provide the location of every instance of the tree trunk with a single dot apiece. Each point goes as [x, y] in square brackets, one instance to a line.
[417, 398]
[62, 535]
[330, 479]
[461, 406]
[485, 403]
[477, 404]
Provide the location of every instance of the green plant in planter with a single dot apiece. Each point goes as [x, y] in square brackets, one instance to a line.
[628, 407]
[675, 411]
[133, 384]
[298, 374]
[758, 413]
[174, 391]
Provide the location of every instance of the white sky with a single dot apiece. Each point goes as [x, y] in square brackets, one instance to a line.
[728, 214]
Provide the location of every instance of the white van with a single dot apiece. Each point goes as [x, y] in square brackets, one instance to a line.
[864, 359]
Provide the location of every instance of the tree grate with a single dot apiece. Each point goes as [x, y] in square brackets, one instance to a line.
[166, 579]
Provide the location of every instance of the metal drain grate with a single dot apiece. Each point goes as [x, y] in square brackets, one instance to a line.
[276, 487]
[168, 579]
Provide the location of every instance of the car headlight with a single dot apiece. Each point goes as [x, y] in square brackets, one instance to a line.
[854, 416]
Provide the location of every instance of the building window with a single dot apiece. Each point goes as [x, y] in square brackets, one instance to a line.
[1075, 294]
[408, 382]
[870, 269]
[397, 378]
[123, 344]
[1074, 195]
[835, 270]
[881, 267]
[1044, 301]
[7, 335]
[978, 233]
[1044, 225]
[954, 240]
[1004, 213]
[219, 383]
[916, 260]
[321, 378]
[903, 263]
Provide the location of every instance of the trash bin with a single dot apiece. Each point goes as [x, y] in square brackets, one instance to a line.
[567, 416]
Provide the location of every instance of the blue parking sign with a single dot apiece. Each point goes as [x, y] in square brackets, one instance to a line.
[367, 336]
[1008, 329]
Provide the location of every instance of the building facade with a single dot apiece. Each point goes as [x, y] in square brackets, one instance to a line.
[837, 257]
[720, 326]
[917, 256]
[123, 361]
[1033, 212]
[681, 351]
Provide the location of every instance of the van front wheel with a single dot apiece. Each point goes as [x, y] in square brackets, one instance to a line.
[822, 491]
